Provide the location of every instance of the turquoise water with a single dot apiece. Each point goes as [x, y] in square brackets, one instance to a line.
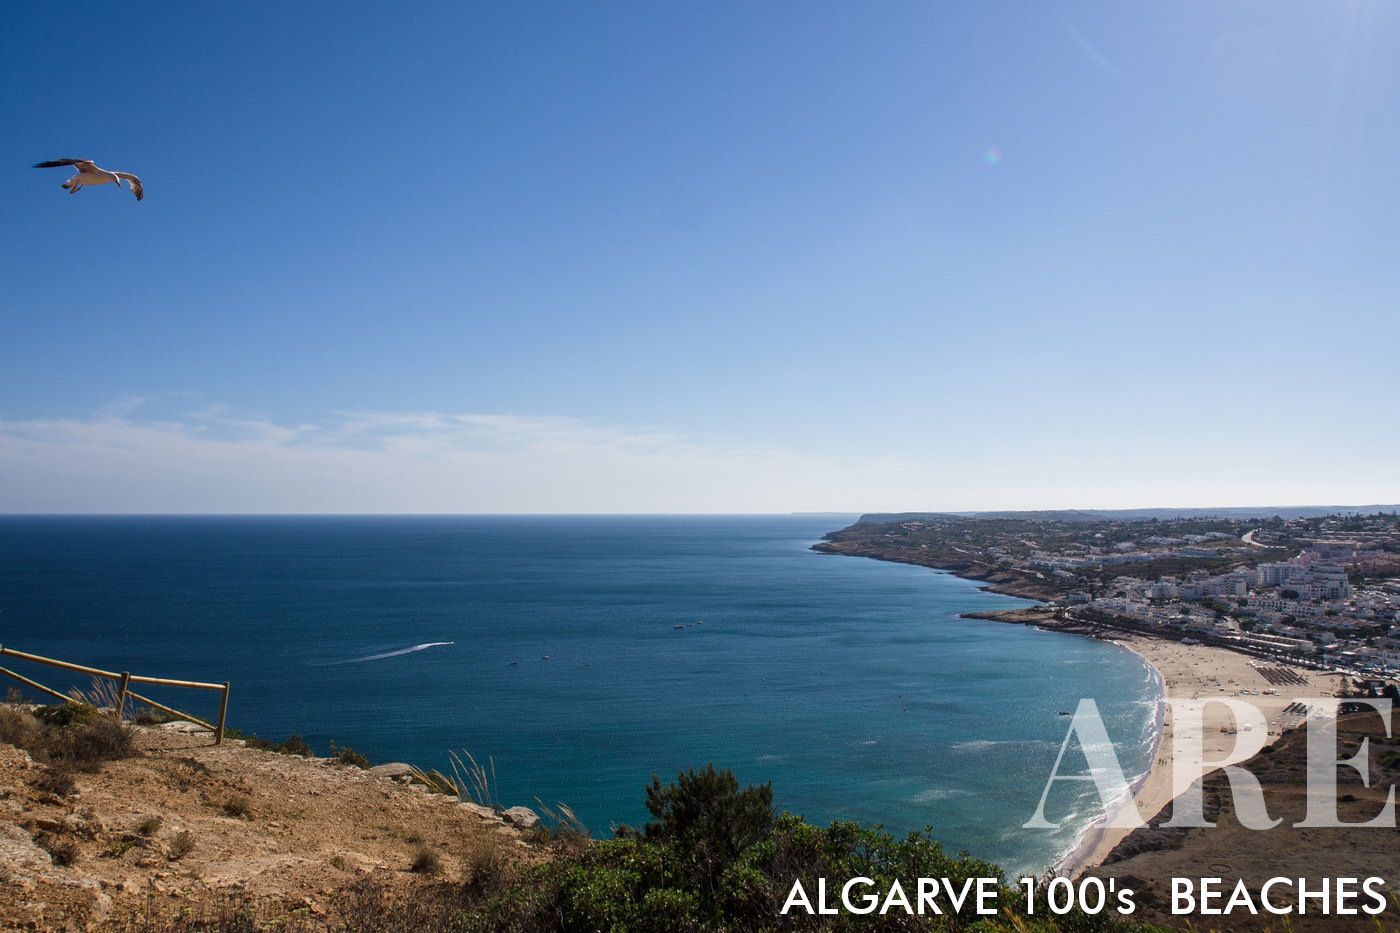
[850, 684]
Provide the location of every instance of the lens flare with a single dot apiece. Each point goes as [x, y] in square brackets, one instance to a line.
[992, 155]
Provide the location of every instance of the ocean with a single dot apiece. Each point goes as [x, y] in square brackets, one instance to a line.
[582, 655]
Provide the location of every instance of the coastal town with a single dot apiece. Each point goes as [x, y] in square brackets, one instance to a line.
[1320, 592]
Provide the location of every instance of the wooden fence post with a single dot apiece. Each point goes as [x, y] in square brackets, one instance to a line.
[121, 697]
[223, 713]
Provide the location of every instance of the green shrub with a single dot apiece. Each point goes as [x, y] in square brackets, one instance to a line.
[119, 847]
[293, 745]
[678, 875]
[150, 716]
[707, 821]
[348, 756]
[290, 746]
[67, 714]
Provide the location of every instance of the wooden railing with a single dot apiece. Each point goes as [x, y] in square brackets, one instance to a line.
[125, 679]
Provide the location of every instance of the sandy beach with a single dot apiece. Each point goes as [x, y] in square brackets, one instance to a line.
[1202, 672]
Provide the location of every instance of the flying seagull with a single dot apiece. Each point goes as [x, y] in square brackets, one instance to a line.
[89, 174]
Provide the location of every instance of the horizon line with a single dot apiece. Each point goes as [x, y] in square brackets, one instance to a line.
[1337, 509]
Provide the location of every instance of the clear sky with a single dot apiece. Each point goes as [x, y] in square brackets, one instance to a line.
[741, 256]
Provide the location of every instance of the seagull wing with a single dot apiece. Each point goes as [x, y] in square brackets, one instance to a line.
[82, 165]
[136, 188]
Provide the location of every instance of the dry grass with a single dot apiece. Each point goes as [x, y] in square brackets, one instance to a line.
[439, 783]
[74, 736]
[425, 861]
[480, 781]
[182, 845]
[486, 866]
[87, 747]
[563, 825]
[101, 694]
[56, 781]
[469, 783]
[62, 851]
[238, 806]
[19, 728]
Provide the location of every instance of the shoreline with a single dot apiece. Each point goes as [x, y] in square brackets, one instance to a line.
[1097, 839]
[1182, 671]
[1198, 672]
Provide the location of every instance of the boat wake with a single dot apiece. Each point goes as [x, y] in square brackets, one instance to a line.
[395, 654]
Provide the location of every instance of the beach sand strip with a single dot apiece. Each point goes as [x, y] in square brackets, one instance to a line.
[1202, 672]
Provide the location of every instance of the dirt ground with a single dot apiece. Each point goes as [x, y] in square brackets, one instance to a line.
[292, 831]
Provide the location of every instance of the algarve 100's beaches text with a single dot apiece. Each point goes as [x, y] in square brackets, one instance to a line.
[1343, 896]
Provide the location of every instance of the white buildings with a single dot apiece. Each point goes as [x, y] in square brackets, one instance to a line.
[1309, 577]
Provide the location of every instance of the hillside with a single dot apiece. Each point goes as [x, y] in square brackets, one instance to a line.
[186, 823]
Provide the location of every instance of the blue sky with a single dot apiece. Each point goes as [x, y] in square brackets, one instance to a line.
[719, 257]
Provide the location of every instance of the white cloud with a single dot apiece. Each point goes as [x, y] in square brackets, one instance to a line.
[216, 461]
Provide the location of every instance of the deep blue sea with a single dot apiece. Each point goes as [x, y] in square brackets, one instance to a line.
[851, 684]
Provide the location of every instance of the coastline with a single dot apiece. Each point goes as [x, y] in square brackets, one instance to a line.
[1097, 839]
[1196, 672]
[995, 579]
[1183, 671]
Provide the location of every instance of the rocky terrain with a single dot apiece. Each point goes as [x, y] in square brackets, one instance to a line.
[186, 822]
